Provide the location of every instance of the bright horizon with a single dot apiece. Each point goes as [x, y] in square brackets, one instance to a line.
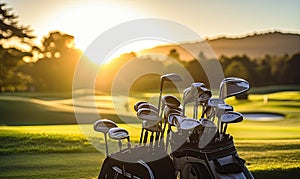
[86, 20]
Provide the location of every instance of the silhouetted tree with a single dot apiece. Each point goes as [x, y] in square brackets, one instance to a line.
[291, 72]
[15, 45]
[56, 69]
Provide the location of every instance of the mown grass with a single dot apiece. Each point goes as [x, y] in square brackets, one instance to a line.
[21, 145]
[271, 149]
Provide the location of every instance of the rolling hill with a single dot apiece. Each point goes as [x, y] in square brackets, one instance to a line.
[256, 45]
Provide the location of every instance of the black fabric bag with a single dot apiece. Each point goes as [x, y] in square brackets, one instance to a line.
[216, 160]
[138, 163]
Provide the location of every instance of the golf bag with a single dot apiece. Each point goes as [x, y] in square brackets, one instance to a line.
[137, 164]
[217, 160]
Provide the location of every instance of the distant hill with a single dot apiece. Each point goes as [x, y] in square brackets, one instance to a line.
[257, 45]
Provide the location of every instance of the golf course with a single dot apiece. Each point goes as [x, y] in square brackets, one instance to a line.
[41, 139]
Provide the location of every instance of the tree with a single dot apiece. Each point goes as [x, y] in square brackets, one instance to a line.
[15, 44]
[55, 70]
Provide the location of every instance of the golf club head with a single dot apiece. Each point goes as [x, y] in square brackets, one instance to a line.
[147, 106]
[231, 117]
[205, 96]
[118, 133]
[170, 101]
[197, 89]
[152, 126]
[172, 119]
[168, 111]
[188, 124]
[187, 96]
[222, 109]
[104, 125]
[147, 114]
[214, 102]
[174, 77]
[233, 86]
[207, 123]
[182, 122]
[136, 105]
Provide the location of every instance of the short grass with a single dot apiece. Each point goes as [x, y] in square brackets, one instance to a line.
[271, 149]
[60, 151]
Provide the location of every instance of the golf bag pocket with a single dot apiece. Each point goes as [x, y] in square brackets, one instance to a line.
[228, 164]
[192, 168]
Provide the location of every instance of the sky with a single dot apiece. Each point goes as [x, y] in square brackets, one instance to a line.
[87, 19]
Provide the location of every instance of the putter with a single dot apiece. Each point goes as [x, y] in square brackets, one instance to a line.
[119, 134]
[104, 125]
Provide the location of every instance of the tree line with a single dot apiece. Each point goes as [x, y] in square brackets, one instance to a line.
[51, 65]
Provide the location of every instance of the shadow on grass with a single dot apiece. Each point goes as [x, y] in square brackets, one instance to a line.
[277, 173]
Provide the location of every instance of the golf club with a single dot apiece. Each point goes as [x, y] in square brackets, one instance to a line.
[147, 105]
[171, 77]
[233, 86]
[153, 127]
[229, 117]
[119, 134]
[146, 114]
[201, 94]
[104, 125]
[136, 105]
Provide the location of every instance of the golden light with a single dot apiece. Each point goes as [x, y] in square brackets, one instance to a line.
[132, 46]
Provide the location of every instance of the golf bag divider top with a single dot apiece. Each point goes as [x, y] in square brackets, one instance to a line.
[138, 163]
[216, 160]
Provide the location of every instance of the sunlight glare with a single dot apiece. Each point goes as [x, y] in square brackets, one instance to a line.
[131, 46]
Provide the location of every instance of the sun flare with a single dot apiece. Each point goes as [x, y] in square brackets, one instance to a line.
[132, 46]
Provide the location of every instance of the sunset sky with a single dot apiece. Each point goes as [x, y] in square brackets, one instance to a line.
[87, 19]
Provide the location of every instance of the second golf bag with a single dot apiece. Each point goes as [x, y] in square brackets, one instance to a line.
[219, 159]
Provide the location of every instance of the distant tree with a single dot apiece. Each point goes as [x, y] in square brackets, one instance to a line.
[174, 55]
[263, 71]
[55, 70]
[291, 72]
[15, 45]
[236, 69]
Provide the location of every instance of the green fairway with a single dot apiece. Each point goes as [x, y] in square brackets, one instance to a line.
[42, 151]
[271, 148]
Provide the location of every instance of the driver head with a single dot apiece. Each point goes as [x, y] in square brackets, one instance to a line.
[233, 86]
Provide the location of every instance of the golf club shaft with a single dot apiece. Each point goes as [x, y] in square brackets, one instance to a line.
[141, 136]
[106, 145]
[145, 137]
